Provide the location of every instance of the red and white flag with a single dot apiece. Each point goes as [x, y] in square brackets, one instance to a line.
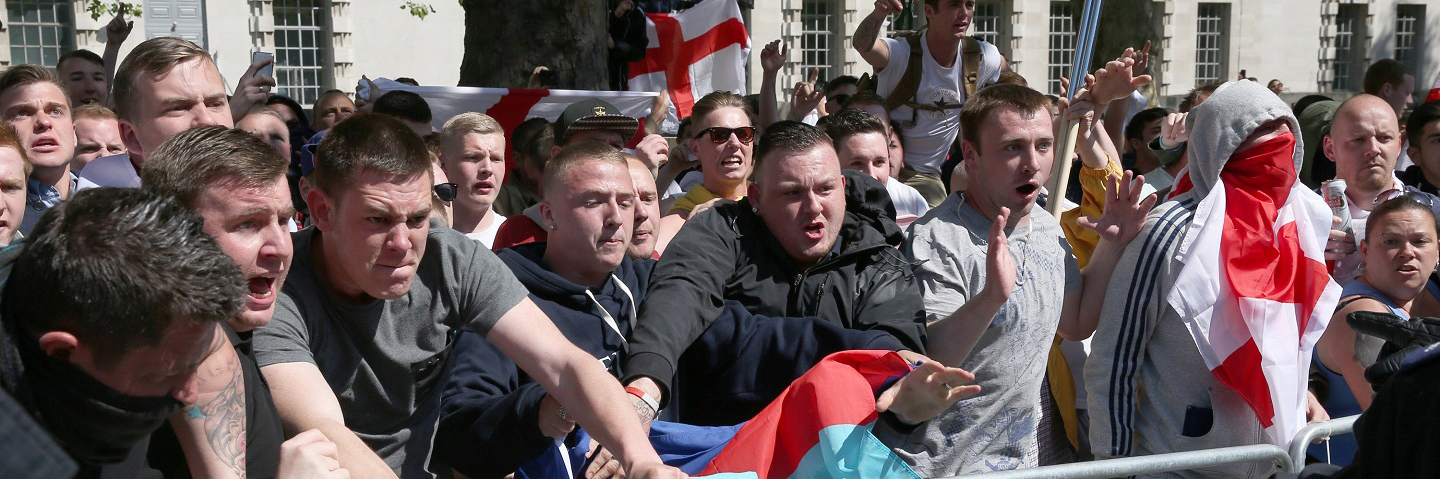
[1254, 290]
[512, 106]
[1434, 90]
[693, 53]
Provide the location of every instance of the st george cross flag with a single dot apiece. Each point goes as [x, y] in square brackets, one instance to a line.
[693, 53]
[512, 106]
[1254, 290]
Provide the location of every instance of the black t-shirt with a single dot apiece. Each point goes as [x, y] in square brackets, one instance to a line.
[263, 431]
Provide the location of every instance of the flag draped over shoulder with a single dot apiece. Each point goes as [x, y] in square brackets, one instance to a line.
[820, 427]
[512, 106]
[1254, 290]
[693, 53]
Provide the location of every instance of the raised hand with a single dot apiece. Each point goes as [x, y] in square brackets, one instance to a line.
[926, 391]
[806, 96]
[999, 266]
[1142, 60]
[119, 29]
[1124, 212]
[252, 89]
[653, 150]
[1117, 79]
[772, 58]
[887, 7]
[1172, 131]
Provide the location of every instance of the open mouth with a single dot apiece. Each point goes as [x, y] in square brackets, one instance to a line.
[485, 186]
[815, 230]
[44, 144]
[1407, 269]
[732, 162]
[1027, 189]
[262, 287]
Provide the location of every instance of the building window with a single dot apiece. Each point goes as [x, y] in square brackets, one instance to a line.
[815, 37]
[987, 22]
[301, 49]
[1062, 43]
[1349, 26]
[1409, 22]
[1210, 38]
[40, 31]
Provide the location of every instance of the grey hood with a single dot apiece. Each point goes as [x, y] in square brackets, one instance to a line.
[1220, 124]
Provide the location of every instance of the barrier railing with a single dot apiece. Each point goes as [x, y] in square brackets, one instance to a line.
[1129, 466]
[1288, 461]
[1315, 431]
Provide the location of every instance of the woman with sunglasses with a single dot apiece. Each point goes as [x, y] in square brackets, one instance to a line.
[1399, 253]
[724, 139]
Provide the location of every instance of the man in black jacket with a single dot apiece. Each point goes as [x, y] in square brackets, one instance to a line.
[806, 242]
[100, 368]
[584, 282]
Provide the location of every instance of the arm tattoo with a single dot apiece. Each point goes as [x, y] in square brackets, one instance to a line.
[224, 417]
[646, 414]
[867, 33]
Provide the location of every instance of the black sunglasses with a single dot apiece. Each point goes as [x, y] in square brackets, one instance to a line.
[447, 191]
[720, 134]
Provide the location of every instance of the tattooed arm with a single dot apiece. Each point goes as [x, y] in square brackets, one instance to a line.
[212, 430]
[867, 35]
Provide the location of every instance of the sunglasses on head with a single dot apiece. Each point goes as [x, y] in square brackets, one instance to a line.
[447, 191]
[720, 134]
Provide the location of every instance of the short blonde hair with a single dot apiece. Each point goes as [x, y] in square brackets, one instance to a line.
[92, 111]
[469, 122]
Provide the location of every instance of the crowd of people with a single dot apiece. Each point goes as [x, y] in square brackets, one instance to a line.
[213, 283]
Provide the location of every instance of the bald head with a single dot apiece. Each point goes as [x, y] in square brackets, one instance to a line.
[1364, 141]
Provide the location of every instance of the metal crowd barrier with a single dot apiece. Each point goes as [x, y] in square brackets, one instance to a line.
[1291, 461]
[1333, 427]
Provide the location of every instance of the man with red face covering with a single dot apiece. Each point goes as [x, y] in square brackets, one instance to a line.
[1161, 375]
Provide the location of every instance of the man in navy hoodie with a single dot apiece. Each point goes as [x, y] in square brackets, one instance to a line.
[582, 279]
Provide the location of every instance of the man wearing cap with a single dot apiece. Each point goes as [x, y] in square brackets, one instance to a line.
[586, 120]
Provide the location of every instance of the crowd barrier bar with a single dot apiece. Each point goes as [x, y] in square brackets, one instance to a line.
[1129, 466]
[1309, 433]
[1291, 461]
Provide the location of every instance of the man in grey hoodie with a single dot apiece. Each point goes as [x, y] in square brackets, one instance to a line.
[1150, 390]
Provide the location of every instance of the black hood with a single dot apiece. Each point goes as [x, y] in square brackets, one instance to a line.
[868, 206]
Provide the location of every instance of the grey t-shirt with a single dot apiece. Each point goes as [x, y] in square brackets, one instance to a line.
[994, 430]
[385, 359]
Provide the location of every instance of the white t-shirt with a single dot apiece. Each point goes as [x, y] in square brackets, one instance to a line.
[487, 235]
[909, 205]
[928, 140]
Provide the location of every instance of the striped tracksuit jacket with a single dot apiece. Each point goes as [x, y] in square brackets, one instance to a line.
[1149, 390]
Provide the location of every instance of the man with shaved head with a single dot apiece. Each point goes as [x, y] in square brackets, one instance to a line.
[1364, 142]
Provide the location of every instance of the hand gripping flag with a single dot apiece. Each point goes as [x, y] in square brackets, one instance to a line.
[693, 53]
[820, 427]
[1254, 290]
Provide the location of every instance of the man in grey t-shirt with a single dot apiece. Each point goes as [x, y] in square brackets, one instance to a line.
[995, 313]
[372, 302]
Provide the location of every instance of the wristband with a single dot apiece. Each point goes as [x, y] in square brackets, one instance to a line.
[644, 396]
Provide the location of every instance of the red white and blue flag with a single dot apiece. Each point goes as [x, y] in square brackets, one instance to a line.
[820, 427]
[1254, 290]
[693, 53]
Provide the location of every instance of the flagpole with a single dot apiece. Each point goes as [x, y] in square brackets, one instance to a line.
[1085, 46]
